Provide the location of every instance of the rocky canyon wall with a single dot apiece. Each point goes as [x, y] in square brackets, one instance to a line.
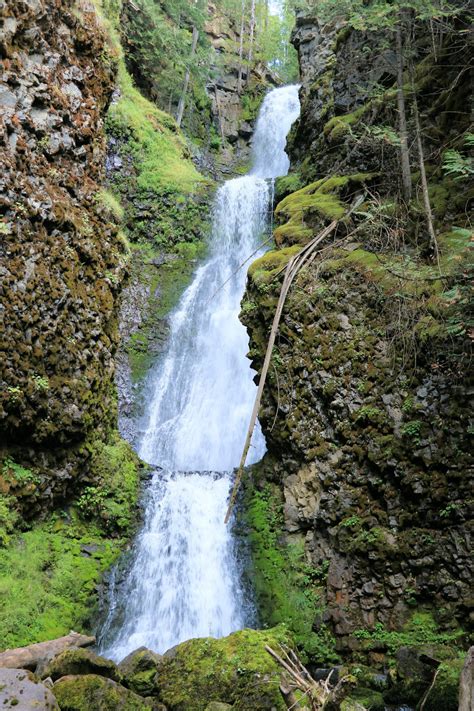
[365, 407]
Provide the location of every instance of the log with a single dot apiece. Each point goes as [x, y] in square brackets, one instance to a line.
[28, 657]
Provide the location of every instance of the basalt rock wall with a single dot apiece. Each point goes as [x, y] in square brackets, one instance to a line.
[62, 255]
[365, 407]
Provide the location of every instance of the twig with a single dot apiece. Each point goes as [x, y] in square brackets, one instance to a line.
[427, 693]
[262, 244]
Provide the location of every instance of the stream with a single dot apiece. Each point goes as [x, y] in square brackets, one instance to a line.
[184, 578]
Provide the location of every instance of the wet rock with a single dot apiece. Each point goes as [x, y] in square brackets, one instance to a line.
[139, 669]
[236, 670]
[84, 693]
[78, 662]
[20, 689]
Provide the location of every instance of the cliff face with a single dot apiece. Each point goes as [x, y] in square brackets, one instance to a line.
[62, 255]
[364, 410]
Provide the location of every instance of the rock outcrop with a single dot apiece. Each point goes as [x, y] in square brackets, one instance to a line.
[365, 407]
[63, 259]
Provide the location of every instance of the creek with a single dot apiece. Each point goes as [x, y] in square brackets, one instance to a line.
[184, 578]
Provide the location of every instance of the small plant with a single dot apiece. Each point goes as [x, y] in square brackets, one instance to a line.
[456, 164]
[351, 522]
[41, 383]
[13, 393]
[368, 413]
[410, 596]
[412, 430]
[450, 508]
[91, 501]
[20, 475]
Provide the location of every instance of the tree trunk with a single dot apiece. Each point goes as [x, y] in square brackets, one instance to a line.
[241, 48]
[402, 118]
[252, 33]
[182, 100]
[29, 657]
[421, 161]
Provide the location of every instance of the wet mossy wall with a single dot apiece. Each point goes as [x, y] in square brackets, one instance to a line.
[364, 409]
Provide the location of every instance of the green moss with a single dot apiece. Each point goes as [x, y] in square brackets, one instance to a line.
[421, 629]
[287, 184]
[164, 286]
[369, 699]
[339, 126]
[288, 590]
[112, 496]
[111, 203]
[48, 579]
[307, 209]
[8, 518]
[264, 269]
[153, 139]
[84, 693]
[79, 662]
[236, 670]
[49, 574]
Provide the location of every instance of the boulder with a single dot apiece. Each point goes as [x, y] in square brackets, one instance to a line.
[218, 706]
[235, 670]
[29, 657]
[96, 693]
[19, 689]
[139, 669]
[79, 661]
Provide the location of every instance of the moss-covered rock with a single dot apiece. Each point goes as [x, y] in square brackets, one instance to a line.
[302, 213]
[84, 693]
[139, 669]
[80, 662]
[236, 670]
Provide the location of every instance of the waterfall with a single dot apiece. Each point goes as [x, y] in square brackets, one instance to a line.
[184, 578]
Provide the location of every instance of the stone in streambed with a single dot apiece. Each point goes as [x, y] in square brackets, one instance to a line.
[139, 669]
[20, 690]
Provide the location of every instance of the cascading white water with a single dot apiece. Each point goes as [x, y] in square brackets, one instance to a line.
[184, 579]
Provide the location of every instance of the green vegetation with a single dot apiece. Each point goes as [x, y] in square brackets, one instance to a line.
[84, 693]
[49, 573]
[306, 210]
[420, 630]
[48, 578]
[287, 588]
[236, 670]
[153, 141]
[112, 497]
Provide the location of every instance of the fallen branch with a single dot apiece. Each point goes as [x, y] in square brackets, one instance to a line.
[318, 693]
[295, 264]
[29, 657]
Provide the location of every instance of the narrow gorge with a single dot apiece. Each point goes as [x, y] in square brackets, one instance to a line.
[165, 164]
